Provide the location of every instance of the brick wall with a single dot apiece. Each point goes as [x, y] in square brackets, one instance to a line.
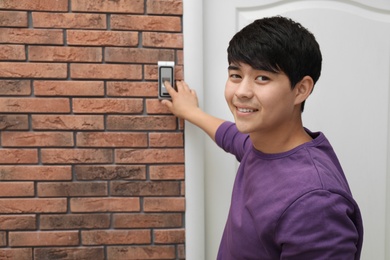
[91, 164]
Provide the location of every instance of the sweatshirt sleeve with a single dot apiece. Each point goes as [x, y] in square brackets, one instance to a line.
[320, 225]
[231, 140]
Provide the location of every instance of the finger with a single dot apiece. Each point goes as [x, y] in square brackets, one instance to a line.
[167, 84]
[185, 86]
[180, 86]
[168, 87]
[167, 103]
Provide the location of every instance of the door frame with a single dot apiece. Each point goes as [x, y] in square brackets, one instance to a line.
[194, 138]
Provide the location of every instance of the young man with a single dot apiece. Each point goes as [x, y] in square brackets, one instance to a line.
[290, 198]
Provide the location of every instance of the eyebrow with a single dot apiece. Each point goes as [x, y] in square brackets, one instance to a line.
[233, 67]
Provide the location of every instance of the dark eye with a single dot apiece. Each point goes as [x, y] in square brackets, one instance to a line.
[262, 78]
[235, 76]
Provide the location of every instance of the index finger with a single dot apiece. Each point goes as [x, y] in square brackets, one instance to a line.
[168, 87]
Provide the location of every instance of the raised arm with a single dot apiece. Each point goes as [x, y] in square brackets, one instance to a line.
[184, 104]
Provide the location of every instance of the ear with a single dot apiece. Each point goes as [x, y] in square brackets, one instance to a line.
[303, 89]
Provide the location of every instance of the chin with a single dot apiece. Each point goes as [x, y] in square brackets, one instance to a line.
[243, 129]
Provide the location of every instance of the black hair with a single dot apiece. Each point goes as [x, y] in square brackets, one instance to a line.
[277, 44]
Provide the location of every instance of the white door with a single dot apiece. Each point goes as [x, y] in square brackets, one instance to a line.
[350, 104]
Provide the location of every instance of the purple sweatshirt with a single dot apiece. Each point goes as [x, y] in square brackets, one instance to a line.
[291, 205]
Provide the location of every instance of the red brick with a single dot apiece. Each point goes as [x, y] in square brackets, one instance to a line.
[16, 189]
[183, 188]
[16, 253]
[181, 251]
[95, 253]
[12, 52]
[146, 23]
[162, 40]
[117, 6]
[44, 238]
[166, 140]
[165, 7]
[67, 122]
[18, 156]
[132, 89]
[181, 124]
[31, 36]
[35, 105]
[166, 172]
[17, 222]
[154, 106]
[151, 72]
[13, 122]
[102, 38]
[66, 156]
[180, 57]
[68, 20]
[35, 173]
[137, 55]
[33, 70]
[33, 205]
[116, 237]
[105, 71]
[3, 238]
[110, 172]
[150, 220]
[15, 87]
[68, 88]
[112, 139]
[140, 252]
[141, 123]
[42, 5]
[149, 156]
[74, 221]
[37, 139]
[13, 19]
[142, 188]
[104, 204]
[107, 105]
[72, 189]
[164, 204]
[169, 236]
[66, 54]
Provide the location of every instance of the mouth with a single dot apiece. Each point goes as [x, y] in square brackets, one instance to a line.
[246, 110]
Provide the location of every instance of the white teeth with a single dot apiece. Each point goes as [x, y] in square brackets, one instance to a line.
[245, 110]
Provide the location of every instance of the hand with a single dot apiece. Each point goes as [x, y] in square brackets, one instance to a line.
[184, 100]
[184, 104]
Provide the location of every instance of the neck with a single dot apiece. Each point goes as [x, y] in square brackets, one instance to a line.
[280, 140]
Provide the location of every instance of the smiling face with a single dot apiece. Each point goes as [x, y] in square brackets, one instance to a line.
[262, 102]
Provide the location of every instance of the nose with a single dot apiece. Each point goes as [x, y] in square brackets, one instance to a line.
[244, 89]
